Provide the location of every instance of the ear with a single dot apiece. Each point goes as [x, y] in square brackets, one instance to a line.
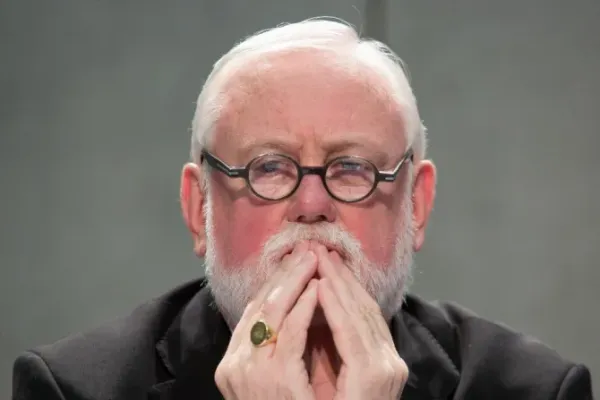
[192, 196]
[423, 196]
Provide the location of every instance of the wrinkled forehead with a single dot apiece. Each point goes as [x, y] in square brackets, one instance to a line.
[308, 99]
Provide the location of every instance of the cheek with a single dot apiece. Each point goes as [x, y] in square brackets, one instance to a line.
[378, 239]
[244, 228]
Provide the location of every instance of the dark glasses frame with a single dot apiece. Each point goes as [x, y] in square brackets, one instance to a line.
[302, 171]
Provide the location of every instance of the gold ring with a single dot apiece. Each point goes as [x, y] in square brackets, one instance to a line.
[262, 334]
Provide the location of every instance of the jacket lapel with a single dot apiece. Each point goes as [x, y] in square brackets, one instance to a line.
[191, 351]
[433, 373]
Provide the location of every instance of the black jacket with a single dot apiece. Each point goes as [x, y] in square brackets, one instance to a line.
[169, 348]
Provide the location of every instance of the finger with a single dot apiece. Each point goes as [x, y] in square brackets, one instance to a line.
[253, 310]
[286, 266]
[347, 340]
[286, 292]
[354, 285]
[327, 269]
[360, 302]
[291, 341]
[223, 383]
[282, 297]
[347, 286]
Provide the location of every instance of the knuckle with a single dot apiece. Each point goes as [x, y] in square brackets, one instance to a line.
[401, 369]
[269, 306]
[241, 374]
[388, 373]
[368, 306]
[376, 370]
[221, 376]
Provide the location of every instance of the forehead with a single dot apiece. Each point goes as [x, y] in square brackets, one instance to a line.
[308, 99]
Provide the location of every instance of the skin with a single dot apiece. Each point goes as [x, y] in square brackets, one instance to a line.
[304, 106]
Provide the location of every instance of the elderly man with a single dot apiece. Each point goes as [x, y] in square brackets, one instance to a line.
[307, 194]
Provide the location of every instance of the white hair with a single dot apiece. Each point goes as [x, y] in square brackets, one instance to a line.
[335, 36]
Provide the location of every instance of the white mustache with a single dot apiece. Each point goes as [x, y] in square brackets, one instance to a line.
[329, 235]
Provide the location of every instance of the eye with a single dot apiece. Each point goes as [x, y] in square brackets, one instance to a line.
[350, 166]
[270, 166]
[351, 169]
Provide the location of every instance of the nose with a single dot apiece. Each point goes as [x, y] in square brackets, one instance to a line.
[311, 203]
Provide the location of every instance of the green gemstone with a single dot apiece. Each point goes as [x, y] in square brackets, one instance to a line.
[258, 333]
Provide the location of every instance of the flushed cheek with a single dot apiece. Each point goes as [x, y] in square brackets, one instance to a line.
[378, 240]
[244, 231]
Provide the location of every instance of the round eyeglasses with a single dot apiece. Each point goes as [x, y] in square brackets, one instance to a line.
[274, 177]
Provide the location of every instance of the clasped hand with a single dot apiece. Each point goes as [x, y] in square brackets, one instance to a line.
[370, 365]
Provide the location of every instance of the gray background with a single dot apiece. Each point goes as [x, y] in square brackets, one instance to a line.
[96, 99]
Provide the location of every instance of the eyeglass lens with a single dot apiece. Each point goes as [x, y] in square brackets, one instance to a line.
[274, 177]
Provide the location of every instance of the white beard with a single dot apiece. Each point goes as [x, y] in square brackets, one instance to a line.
[387, 284]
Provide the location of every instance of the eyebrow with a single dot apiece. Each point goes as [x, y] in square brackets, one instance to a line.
[341, 144]
[275, 144]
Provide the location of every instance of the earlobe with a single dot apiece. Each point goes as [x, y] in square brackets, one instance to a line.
[192, 197]
[423, 197]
